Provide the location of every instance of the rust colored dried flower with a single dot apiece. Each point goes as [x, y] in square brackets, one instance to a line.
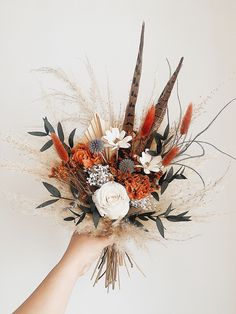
[61, 151]
[186, 121]
[170, 156]
[59, 172]
[138, 186]
[84, 157]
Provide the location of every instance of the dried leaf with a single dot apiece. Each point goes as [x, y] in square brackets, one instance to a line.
[96, 218]
[85, 209]
[69, 218]
[160, 227]
[36, 133]
[166, 132]
[170, 174]
[48, 127]
[47, 203]
[156, 196]
[51, 189]
[152, 152]
[71, 138]
[81, 218]
[60, 132]
[46, 146]
[164, 186]
[169, 209]
[74, 190]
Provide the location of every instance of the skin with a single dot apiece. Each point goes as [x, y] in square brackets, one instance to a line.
[52, 295]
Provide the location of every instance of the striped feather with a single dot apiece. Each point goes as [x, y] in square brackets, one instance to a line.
[161, 106]
[128, 124]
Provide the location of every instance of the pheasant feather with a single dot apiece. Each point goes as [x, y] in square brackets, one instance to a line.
[161, 106]
[128, 124]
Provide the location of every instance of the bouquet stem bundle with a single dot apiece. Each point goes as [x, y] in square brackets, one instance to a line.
[109, 264]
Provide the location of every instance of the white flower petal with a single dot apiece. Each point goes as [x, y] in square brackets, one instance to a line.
[146, 170]
[122, 135]
[123, 144]
[116, 133]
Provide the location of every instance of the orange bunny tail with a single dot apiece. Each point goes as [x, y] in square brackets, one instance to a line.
[148, 122]
[61, 151]
[169, 157]
[186, 121]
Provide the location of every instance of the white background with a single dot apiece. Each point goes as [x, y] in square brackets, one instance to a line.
[194, 276]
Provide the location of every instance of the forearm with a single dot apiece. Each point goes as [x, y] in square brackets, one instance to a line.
[53, 293]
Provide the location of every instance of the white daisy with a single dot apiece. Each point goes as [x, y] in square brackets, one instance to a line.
[150, 163]
[116, 139]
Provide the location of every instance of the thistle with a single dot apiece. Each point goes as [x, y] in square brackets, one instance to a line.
[126, 165]
[96, 146]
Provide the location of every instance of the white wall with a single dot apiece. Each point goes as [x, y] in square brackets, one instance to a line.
[194, 276]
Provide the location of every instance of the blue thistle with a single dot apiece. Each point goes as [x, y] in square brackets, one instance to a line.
[126, 165]
[96, 146]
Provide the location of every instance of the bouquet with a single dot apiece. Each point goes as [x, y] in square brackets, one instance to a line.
[114, 177]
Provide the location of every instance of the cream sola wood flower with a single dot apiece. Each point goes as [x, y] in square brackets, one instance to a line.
[150, 163]
[116, 139]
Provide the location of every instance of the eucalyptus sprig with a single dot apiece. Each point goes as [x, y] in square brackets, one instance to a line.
[157, 218]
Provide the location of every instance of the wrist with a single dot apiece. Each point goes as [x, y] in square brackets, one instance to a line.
[73, 265]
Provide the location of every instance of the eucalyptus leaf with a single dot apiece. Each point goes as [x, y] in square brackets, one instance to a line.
[67, 148]
[166, 132]
[156, 196]
[169, 210]
[85, 209]
[159, 147]
[158, 137]
[168, 139]
[170, 174]
[45, 125]
[173, 218]
[162, 179]
[46, 146]
[136, 223]
[160, 227]
[60, 132]
[164, 186]
[76, 214]
[51, 189]
[48, 127]
[143, 218]
[71, 138]
[74, 191]
[180, 177]
[81, 218]
[96, 218]
[48, 203]
[69, 218]
[152, 152]
[37, 133]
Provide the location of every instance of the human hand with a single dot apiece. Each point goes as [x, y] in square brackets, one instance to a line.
[82, 251]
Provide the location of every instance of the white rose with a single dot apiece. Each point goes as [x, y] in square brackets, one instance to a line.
[112, 200]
